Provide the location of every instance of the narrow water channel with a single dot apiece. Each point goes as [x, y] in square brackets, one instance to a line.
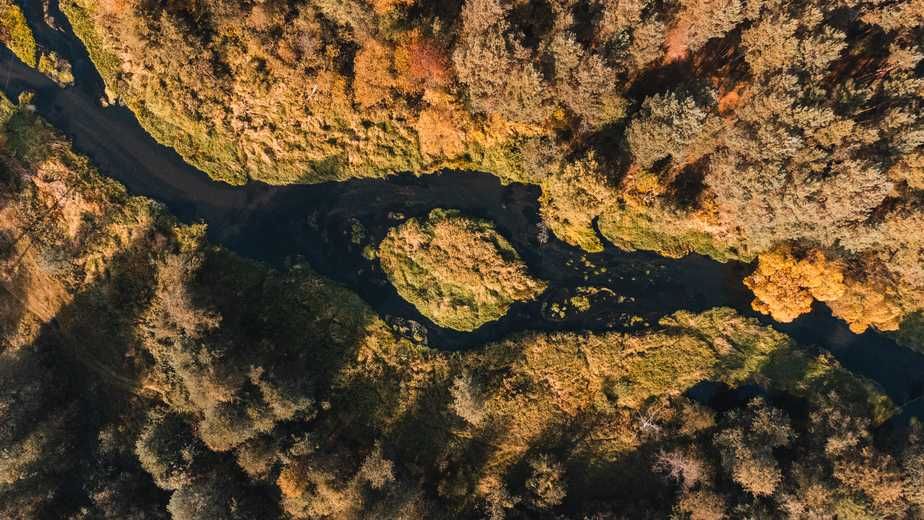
[328, 225]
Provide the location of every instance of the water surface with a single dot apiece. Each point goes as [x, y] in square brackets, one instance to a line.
[328, 225]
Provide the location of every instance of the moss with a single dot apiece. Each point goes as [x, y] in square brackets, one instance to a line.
[535, 383]
[199, 145]
[800, 374]
[743, 345]
[305, 122]
[7, 109]
[572, 199]
[16, 34]
[192, 139]
[309, 366]
[581, 303]
[457, 271]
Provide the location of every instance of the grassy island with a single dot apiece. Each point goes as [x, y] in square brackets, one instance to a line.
[458, 271]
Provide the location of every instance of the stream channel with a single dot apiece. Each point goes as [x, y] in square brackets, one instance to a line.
[318, 223]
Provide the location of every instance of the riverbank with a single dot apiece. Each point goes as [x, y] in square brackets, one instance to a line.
[316, 222]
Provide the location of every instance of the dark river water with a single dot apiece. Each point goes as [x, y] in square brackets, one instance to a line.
[328, 226]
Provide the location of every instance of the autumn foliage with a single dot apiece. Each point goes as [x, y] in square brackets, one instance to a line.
[786, 285]
[421, 63]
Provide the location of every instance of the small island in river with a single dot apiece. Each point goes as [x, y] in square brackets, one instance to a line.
[467, 259]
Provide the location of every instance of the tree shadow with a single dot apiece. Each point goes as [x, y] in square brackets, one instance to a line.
[87, 379]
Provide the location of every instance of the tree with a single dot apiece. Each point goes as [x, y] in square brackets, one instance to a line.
[573, 198]
[703, 504]
[770, 45]
[221, 494]
[37, 423]
[585, 83]
[647, 43]
[376, 470]
[912, 463]
[545, 486]
[746, 443]
[686, 467]
[703, 20]
[169, 450]
[668, 125]
[519, 94]
[373, 78]
[785, 286]
[467, 402]
[421, 64]
[232, 394]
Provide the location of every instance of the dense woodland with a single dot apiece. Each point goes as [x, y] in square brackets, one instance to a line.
[779, 130]
[145, 373]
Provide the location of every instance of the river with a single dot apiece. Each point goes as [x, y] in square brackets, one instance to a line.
[319, 224]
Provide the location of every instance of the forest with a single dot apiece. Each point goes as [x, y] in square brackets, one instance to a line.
[148, 373]
[786, 132]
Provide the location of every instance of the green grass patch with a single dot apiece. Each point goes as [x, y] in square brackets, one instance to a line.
[631, 229]
[80, 15]
[911, 332]
[457, 271]
[16, 34]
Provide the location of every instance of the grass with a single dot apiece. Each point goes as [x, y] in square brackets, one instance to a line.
[911, 332]
[536, 391]
[536, 383]
[800, 374]
[638, 228]
[278, 124]
[457, 271]
[80, 16]
[192, 139]
[16, 34]
[56, 68]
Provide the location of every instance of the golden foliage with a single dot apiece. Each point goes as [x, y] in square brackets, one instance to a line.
[271, 99]
[611, 396]
[910, 169]
[439, 127]
[56, 68]
[706, 19]
[863, 305]
[871, 474]
[703, 504]
[384, 6]
[372, 78]
[572, 200]
[540, 382]
[785, 286]
[421, 63]
[312, 491]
